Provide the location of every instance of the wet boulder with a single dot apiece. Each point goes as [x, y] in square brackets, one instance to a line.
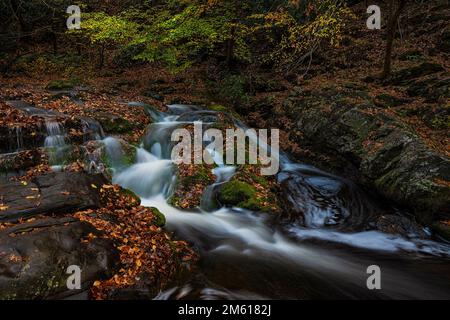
[35, 256]
[50, 193]
[397, 224]
[389, 155]
[30, 109]
[113, 124]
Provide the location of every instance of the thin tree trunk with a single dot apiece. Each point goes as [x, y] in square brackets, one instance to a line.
[102, 56]
[391, 28]
[230, 48]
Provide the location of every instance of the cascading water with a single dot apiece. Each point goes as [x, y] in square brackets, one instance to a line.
[19, 138]
[245, 256]
[55, 142]
[92, 130]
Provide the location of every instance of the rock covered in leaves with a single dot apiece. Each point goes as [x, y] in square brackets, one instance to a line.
[56, 192]
[148, 256]
[192, 181]
[36, 254]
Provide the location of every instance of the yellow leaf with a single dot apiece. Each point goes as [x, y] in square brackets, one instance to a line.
[94, 186]
[3, 208]
[24, 183]
[97, 283]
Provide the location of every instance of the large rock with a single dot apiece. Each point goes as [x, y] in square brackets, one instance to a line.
[18, 161]
[50, 193]
[17, 138]
[405, 76]
[34, 258]
[390, 156]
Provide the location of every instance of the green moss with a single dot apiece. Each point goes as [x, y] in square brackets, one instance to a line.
[218, 108]
[116, 125]
[201, 176]
[240, 194]
[442, 230]
[173, 200]
[160, 219]
[62, 84]
[130, 157]
[131, 194]
[260, 179]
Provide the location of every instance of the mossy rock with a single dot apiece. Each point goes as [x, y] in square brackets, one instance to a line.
[412, 55]
[240, 194]
[115, 125]
[62, 84]
[442, 230]
[160, 219]
[128, 157]
[385, 101]
[404, 76]
[218, 108]
[191, 183]
[134, 199]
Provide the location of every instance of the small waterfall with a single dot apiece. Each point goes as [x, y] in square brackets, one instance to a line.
[56, 137]
[19, 138]
[149, 177]
[92, 129]
[157, 139]
[223, 174]
[114, 151]
[55, 142]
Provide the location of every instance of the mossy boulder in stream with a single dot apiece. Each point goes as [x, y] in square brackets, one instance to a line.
[250, 190]
[442, 229]
[160, 219]
[191, 182]
[388, 153]
[113, 124]
[240, 194]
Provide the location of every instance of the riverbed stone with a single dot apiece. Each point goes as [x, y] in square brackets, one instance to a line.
[35, 256]
[389, 155]
[50, 193]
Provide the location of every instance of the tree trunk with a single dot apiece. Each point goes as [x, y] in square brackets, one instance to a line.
[391, 28]
[102, 56]
[230, 48]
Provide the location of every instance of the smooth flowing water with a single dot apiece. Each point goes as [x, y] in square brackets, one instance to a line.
[246, 255]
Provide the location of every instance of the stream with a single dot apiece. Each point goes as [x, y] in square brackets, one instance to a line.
[246, 255]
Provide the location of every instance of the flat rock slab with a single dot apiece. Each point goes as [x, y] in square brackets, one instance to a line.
[29, 109]
[50, 193]
[34, 258]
